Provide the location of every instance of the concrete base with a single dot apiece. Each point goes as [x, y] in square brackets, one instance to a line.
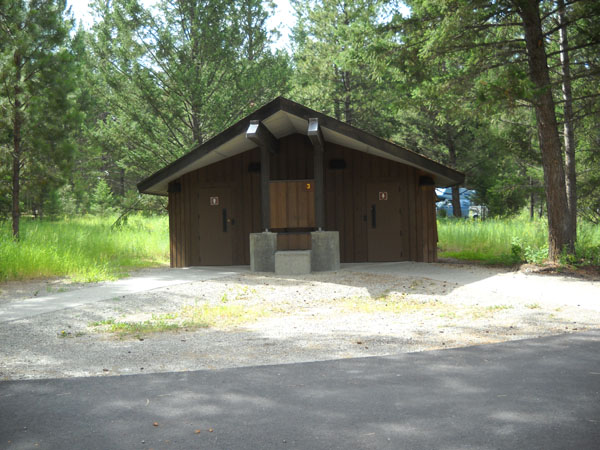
[262, 251]
[292, 262]
[325, 250]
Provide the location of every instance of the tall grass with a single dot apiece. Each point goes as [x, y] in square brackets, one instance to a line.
[83, 248]
[511, 241]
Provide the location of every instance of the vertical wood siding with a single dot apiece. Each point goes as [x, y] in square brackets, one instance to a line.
[292, 205]
[346, 208]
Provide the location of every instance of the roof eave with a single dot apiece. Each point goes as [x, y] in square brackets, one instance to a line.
[443, 175]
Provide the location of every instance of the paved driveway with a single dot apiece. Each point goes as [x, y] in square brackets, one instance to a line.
[535, 394]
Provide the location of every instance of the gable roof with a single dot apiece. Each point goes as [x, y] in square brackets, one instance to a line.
[284, 117]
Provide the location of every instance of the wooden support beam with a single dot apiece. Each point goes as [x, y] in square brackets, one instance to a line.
[315, 135]
[316, 138]
[265, 178]
[261, 136]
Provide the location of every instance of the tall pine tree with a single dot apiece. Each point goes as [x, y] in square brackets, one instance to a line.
[334, 73]
[181, 72]
[36, 79]
[505, 47]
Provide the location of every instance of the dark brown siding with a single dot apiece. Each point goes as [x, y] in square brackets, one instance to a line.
[345, 201]
[294, 159]
[292, 204]
[347, 210]
[230, 173]
[293, 241]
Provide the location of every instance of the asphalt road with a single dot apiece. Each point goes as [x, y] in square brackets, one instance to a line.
[535, 394]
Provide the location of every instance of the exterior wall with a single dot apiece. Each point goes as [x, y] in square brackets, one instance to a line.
[346, 204]
[345, 201]
[230, 173]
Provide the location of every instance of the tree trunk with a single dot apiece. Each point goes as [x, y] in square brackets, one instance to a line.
[569, 133]
[337, 110]
[196, 132]
[17, 148]
[122, 182]
[554, 174]
[531, 199]
[348, 110]
[456, 210]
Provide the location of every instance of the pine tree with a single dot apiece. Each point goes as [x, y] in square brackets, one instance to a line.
[505, 47]
[36, 79]
[180, 73]
[332, 44]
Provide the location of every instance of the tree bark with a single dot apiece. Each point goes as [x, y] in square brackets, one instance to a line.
[122, 182]
[196, 131]
[552, 162]
[456, 209]
[569, 132]
[531, 199]
[17, 147]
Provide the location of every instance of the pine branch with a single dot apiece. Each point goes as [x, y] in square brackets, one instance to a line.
[577, 47]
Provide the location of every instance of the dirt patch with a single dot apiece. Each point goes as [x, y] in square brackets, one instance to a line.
[584, 272]
[591, 273]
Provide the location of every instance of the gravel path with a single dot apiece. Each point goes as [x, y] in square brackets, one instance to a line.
[362, 310]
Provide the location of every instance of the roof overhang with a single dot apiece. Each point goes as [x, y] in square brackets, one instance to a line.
[283, 117]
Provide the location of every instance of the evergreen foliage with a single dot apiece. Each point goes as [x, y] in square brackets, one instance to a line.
[37, 110]
[506, 91]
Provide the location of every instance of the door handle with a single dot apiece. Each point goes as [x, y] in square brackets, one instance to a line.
[224, 220]
[373, 216]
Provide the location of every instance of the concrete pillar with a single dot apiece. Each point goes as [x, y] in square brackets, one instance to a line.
[325, 250]
[262, 251]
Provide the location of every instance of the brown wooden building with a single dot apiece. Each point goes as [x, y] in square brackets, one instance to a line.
[291, 170]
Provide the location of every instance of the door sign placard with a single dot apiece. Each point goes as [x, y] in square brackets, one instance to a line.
[383, 195]
[214, 201]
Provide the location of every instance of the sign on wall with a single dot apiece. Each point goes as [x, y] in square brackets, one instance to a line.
[383, 195]
[214, 201]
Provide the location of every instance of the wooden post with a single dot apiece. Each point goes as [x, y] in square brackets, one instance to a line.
[261, 136]
[316, 138]
[265, 200]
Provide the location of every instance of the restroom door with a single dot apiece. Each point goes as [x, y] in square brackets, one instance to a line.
[216, 221]
[384, 217]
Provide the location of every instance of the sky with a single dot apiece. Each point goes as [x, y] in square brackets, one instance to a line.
[283, 19]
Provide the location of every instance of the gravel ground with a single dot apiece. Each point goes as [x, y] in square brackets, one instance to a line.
[345, 314]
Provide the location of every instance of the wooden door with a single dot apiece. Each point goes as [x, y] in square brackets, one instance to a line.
[216, 222]
[384, 236]
[292, 204]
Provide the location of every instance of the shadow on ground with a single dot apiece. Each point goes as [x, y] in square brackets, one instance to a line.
[535, 394]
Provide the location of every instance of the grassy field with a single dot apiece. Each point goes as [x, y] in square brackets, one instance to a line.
[89, 249]
[511, 241]
[84, 248]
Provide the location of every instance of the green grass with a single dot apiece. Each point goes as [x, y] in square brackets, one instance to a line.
[83, 248]
[188, 317]
[389, 303]
[511, 241]
[479, 312]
